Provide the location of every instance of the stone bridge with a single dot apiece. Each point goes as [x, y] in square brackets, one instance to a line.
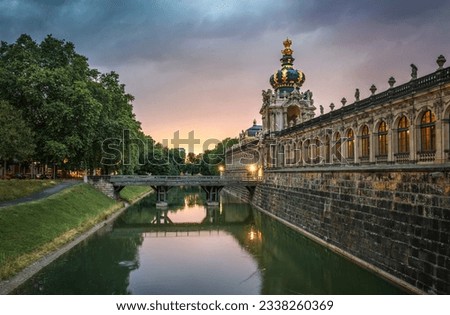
[111, 185]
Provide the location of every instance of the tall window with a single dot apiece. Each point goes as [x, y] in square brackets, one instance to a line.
[365, 142]
[317, 155]
[281, 156]
[289, 154]
[298, 153]
[350, 144]
[307, 151]
[327, 149]
[337, 146]
[382, 139]
[403, 135]
[428, 132]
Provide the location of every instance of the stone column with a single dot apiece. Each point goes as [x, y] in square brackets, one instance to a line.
[440, 156]
[390, 145]
[161, 196]
[372, 145]
[413, 135]
[344, 147]
[413, 141]
[272, 121]
[355, 143]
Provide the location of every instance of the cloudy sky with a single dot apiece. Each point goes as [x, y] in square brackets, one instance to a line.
[201, 65]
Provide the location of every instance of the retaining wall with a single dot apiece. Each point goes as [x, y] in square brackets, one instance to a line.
[397, 221]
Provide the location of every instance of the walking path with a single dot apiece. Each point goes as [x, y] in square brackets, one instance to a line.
[42, 194]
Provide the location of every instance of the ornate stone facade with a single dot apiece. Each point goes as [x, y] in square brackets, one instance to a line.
[407, 124]
[286, 106]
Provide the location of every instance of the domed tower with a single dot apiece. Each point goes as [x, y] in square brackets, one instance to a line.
[286, 106]
[287, 78]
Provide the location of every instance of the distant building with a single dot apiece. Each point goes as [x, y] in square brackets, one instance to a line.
[251, 132]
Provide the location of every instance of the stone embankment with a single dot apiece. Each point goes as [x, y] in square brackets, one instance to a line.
[394, 222]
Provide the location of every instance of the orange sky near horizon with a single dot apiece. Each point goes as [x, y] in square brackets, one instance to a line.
[201, 65]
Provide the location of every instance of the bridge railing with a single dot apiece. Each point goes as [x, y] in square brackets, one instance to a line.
[172, 178]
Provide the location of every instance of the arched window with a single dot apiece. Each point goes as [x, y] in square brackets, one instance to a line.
[337, 146]
[365, 142]
[382, 139]
[317, 155]
[350, 144]
[428, 132]
[281, 156]
[298, 153]
[308, 152]
[289, 154]
[403, 135]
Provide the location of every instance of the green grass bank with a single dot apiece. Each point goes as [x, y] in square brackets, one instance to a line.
[32, 230]
[18, 188]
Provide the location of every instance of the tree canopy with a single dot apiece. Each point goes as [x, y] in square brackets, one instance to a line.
[70, 108]
[56, 110]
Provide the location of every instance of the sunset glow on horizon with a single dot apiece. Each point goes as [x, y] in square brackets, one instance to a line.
[201, 65]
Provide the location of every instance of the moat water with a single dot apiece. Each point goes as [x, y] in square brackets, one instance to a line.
[193, 249]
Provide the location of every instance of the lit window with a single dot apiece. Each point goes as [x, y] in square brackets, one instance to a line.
[350, 144]
[365, 143]
[428, 132]
[403, 135]
[382, 139]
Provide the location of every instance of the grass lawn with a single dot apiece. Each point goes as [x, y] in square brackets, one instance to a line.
[132, 193]
[30, 231]
[17, 188]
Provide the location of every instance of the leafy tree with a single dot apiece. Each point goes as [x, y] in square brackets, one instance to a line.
[212, 159]
[71, 108]
[17, 138]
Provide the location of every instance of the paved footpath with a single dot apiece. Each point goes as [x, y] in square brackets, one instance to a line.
[42, 194]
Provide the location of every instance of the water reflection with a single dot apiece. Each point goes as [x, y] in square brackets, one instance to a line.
[192, 249]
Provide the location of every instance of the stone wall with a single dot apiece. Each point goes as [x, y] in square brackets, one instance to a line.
[102, 183]
[396, 221]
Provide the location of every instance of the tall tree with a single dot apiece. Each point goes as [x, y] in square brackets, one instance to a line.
[17, 139]
[71, 108]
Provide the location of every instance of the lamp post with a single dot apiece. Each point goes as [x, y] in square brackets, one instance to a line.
[221, 170]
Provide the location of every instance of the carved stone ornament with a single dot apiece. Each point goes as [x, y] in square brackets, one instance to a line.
[413, 71]
[389, 119]
[440, 61]
[391, 81]
[357, 95]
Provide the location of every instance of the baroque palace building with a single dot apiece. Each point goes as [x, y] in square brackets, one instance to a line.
[370, 180]
[405, 124]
